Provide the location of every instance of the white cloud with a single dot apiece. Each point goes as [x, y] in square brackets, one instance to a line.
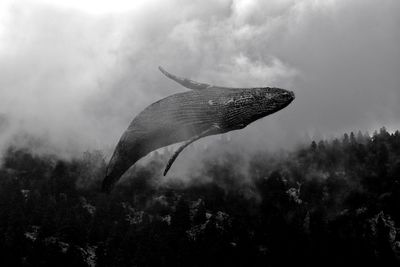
[77, 73]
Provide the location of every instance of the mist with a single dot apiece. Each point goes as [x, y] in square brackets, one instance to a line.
[72, 80]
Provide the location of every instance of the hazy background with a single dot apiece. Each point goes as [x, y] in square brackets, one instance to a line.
[73, 75]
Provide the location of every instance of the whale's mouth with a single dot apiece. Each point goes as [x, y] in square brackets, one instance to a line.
[286, 97]
[291, 93]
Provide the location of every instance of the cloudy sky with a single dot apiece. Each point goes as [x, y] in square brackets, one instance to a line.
[73, 74]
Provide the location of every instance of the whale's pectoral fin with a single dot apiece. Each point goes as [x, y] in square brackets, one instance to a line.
[186, 82]
[211, 130]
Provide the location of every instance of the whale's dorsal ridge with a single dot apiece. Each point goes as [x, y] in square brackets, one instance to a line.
[187, 82]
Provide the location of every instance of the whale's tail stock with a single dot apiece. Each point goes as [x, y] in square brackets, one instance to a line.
[117, 166]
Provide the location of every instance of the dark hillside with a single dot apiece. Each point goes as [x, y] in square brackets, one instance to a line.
[329, 203]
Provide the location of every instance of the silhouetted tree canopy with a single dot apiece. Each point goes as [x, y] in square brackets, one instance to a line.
[327, 203]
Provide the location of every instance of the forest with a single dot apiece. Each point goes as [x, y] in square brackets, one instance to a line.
[326, 203]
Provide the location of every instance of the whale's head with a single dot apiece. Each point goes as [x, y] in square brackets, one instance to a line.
[273, 99]
[247, 105]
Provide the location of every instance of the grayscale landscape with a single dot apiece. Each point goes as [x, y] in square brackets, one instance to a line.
[309, 180]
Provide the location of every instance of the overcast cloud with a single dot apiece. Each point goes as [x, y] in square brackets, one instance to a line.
[76, 79]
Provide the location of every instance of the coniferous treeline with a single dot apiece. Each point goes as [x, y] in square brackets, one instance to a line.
[329, 203]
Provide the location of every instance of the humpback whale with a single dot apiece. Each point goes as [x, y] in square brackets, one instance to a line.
[203, 111]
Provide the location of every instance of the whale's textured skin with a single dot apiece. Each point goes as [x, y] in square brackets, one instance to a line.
[191, 115]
